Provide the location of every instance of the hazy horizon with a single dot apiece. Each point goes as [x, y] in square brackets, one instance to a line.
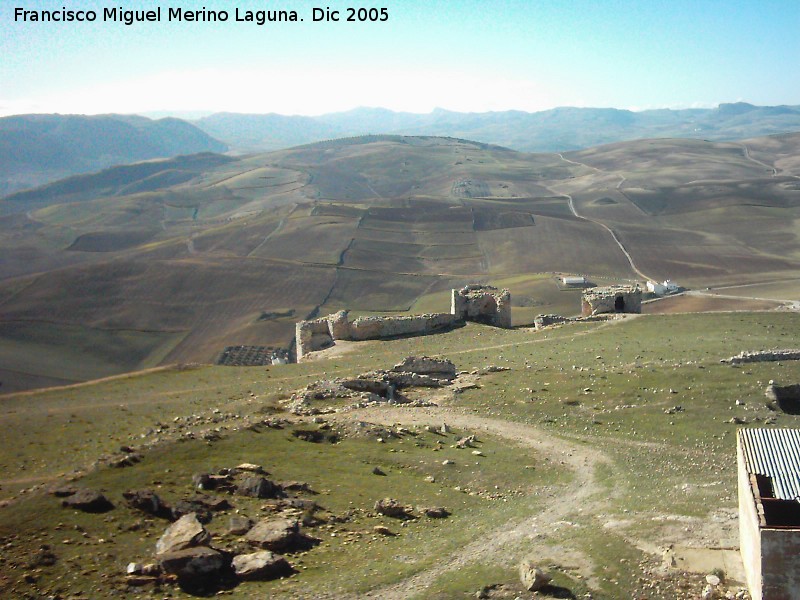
[469, 57]
[199, 114]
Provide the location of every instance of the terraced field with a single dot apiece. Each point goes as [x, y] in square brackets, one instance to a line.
[378, 224]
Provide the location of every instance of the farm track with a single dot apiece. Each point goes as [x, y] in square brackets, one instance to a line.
[613, 234]
[585, 492]
[758, 162]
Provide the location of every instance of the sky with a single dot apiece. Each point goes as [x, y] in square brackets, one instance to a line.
[467, 56]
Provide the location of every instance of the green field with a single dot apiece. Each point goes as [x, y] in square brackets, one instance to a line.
[586, 464]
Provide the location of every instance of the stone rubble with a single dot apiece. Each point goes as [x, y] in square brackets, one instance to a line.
[762, 356]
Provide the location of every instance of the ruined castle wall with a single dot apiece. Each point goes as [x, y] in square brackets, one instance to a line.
[483, 304]
[373, 328]
[339, 326]
[503, 314]
[312, 335]
[547, 320]
[612, 299]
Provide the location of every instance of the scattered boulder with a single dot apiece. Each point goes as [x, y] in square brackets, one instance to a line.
[532, 577]
[210, 481]
[436, 512]
[186, 532]
[259, 487]
[194, 563]
[315, 436]
[383, 530]
[392, 508]
[239, 525]
[298, 486]
[191, 507]
[88, 501]
[278, 535]
[378, 471]
[466, 442]
[64, 490]
[126, 460]
[260, 565]
[148, 502]
[250, 468]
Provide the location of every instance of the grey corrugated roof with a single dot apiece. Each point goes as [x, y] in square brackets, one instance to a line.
[776, 453]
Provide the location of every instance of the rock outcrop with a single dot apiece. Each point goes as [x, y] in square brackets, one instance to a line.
[260, 566]
[277, 535]
[87, 501]
[532, 577]
[186, 532]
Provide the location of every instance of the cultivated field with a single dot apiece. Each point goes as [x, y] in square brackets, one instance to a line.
[195, 249]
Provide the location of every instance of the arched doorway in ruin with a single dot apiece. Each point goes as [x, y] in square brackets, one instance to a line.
[619, 304]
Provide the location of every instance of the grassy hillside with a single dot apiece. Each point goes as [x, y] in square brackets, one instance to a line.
[584, 463]
[190, 253]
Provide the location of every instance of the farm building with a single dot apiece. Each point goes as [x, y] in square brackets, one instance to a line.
[663, 288]
[769, 511]
[573, 281]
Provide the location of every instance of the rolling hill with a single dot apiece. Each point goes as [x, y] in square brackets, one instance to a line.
[37, 149]
[172, 262]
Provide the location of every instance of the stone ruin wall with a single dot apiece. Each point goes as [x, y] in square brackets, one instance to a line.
[321, 333]
[483, 304]
[763, 356]
[312, 335]
[612, 299]
[546, 320]
[374, 328]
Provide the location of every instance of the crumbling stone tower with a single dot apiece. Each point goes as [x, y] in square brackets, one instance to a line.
[612, 299]
[482, 304]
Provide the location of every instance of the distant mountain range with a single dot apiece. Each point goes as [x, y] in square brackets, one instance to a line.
[555, 130]
[37, 149]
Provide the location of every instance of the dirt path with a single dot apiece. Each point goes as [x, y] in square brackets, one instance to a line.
[583, 494]
[613, 234]
[758, 162]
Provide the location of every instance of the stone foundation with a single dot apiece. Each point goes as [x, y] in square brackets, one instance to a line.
[763, 356]
[547, 320]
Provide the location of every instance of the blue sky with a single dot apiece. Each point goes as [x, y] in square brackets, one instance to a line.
[465, 56]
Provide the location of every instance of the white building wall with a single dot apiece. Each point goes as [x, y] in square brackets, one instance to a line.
[749, 532]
